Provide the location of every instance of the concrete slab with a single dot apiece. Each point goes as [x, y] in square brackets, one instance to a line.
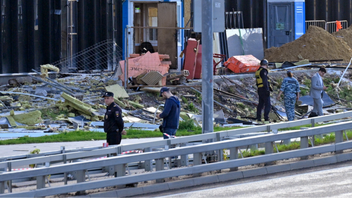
[302, 164]
[278, 168]
[325, 161]
[181, 184]
[230, 176]
[255, 172]
[206, 180]
[155, 188]
[104, 194]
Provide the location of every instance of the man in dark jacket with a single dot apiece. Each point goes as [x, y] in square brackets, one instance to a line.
[113, 123]
[264, 89]
[171, 113]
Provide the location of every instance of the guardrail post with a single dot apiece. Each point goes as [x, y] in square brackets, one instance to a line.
[338, 138]
[64, 158]
[197, 160]
[81, 177]
[220, 152]
[2, 187]
[159, 165]
[233, 156]
[40, 182]
[120, 170]
[9, 186]
[184, 158]
[269, 149]
[304, 144]
[148, 163]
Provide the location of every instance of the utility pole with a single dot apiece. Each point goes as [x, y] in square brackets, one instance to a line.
[72, 35]
[207, 66]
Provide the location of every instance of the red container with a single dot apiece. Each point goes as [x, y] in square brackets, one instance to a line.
[243, 64]
[190, 57]
[198, 71]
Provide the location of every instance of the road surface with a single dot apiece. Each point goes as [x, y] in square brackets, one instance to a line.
[325, 181]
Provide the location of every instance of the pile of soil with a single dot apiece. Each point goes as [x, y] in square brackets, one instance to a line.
[345, 34]
[316, 44]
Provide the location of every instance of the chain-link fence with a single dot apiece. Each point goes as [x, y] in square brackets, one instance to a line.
[102, 56]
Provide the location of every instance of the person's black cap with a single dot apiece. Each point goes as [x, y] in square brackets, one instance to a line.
[289, 72]
[108, 94]
[162, 90]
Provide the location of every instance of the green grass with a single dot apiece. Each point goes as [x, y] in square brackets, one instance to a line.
[299, 127]
[327, 139]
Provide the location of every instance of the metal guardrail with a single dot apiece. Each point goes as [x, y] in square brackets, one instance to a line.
[119, 162]
[59, 156]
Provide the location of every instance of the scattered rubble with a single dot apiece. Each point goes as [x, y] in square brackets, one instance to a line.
[73, 101]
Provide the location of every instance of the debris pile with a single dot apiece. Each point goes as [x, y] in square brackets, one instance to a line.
[316, 44]
[345, 35]
[147, 69]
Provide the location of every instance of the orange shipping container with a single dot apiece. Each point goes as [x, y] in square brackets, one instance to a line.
[243, 64]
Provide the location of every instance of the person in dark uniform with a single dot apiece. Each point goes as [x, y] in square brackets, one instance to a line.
[264, 89]
[113, 123]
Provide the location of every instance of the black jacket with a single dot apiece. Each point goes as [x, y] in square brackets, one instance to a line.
[113, 119]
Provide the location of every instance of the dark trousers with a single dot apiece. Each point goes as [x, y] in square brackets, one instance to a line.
[113, 138]
[264, 100]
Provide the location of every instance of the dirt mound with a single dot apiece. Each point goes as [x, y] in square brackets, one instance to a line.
[345, 34]
[316, 44]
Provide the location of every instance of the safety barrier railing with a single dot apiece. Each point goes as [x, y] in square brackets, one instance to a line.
[60, 157]
[330, 26]
[319, 23]
[120, 162]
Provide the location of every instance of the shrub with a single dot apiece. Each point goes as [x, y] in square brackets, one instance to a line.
[187, 125]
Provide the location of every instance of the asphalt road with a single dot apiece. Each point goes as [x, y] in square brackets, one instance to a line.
[325, 181]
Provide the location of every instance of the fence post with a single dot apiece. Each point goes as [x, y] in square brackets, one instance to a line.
[338, 138]
[120, 170]
[41, 182]
[81, 177]
[233, 156]
[159, 165]
[2, 187]
[9, 166]
[220, 152]
[184, 158]
[197, 160]
[269, 149]
[148, 163]
[304, 144]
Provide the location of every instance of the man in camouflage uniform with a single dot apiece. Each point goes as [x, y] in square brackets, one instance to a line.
[290, 88]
